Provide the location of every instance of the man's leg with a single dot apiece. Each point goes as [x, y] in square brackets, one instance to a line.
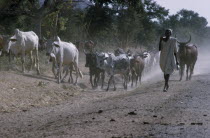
[166, 77]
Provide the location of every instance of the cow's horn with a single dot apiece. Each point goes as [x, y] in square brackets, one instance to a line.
[178, 42]
[188, 40]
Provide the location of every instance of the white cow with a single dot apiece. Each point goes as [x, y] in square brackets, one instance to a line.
[66, 55]
[66, 68]
[23, 43]
[114, 65]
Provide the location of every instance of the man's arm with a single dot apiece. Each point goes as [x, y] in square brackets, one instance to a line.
[176, 58]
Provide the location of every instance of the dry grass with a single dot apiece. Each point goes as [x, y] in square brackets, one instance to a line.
[21, 91]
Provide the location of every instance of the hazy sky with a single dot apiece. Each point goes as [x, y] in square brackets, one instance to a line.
[202, 7]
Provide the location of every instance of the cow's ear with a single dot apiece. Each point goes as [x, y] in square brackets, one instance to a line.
[56, 44]
[58, 39]
[145, 56]
[17, 31]
[13, 39]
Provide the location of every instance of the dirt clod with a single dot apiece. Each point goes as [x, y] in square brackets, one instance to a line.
[132, 113]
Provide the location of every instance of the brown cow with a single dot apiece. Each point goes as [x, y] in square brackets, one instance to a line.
[137, 66]
[188, 56]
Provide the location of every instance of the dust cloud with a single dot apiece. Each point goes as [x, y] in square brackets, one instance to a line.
[202, 65]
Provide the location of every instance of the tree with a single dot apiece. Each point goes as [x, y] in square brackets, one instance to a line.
[187, 22]
[34, 9]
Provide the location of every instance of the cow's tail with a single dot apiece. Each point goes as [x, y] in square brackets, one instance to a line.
[80, 73]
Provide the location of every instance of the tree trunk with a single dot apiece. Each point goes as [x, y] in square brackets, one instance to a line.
[56, 26]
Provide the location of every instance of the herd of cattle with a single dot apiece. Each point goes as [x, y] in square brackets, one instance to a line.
[65, 57]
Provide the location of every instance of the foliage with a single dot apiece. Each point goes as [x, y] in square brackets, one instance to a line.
[123, 23]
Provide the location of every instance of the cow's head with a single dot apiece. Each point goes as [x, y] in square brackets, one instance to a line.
[12, 42]
[16, 40]
[182, 46]
[101, 59]
[119, 51]
[129, 52]
[52, 44]
[49, 46]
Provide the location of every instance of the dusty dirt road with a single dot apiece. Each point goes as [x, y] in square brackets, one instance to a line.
[183, 111]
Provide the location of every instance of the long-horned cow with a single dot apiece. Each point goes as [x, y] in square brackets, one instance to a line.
[188, 56]
[23, 43]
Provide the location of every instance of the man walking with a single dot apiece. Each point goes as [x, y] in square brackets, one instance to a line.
[168, 56]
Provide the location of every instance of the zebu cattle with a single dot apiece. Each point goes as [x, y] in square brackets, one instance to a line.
[137, 66]
[66, 55]
[23, 43]
[187, 56]
[66, 69]
[52, 56]
[114, 65]
[91, 62]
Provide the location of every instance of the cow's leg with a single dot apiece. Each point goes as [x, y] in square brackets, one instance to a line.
[132, 78]
[54, 68]
[140, 77]
[37, 62]
[66, 71]
[71, 80]
[191, 70]
[23, 62]
[77, 72]
[97, 79]
[91, 77]
[125, 81]
[182, 66]
[102, 79]
[31, 60]
[109, 82]
[10, 56]
[187, 78]
[114, 83]
[59, 72]
[137, 77]
[91, 80]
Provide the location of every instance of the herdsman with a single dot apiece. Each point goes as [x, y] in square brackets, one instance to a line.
[168, 56]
